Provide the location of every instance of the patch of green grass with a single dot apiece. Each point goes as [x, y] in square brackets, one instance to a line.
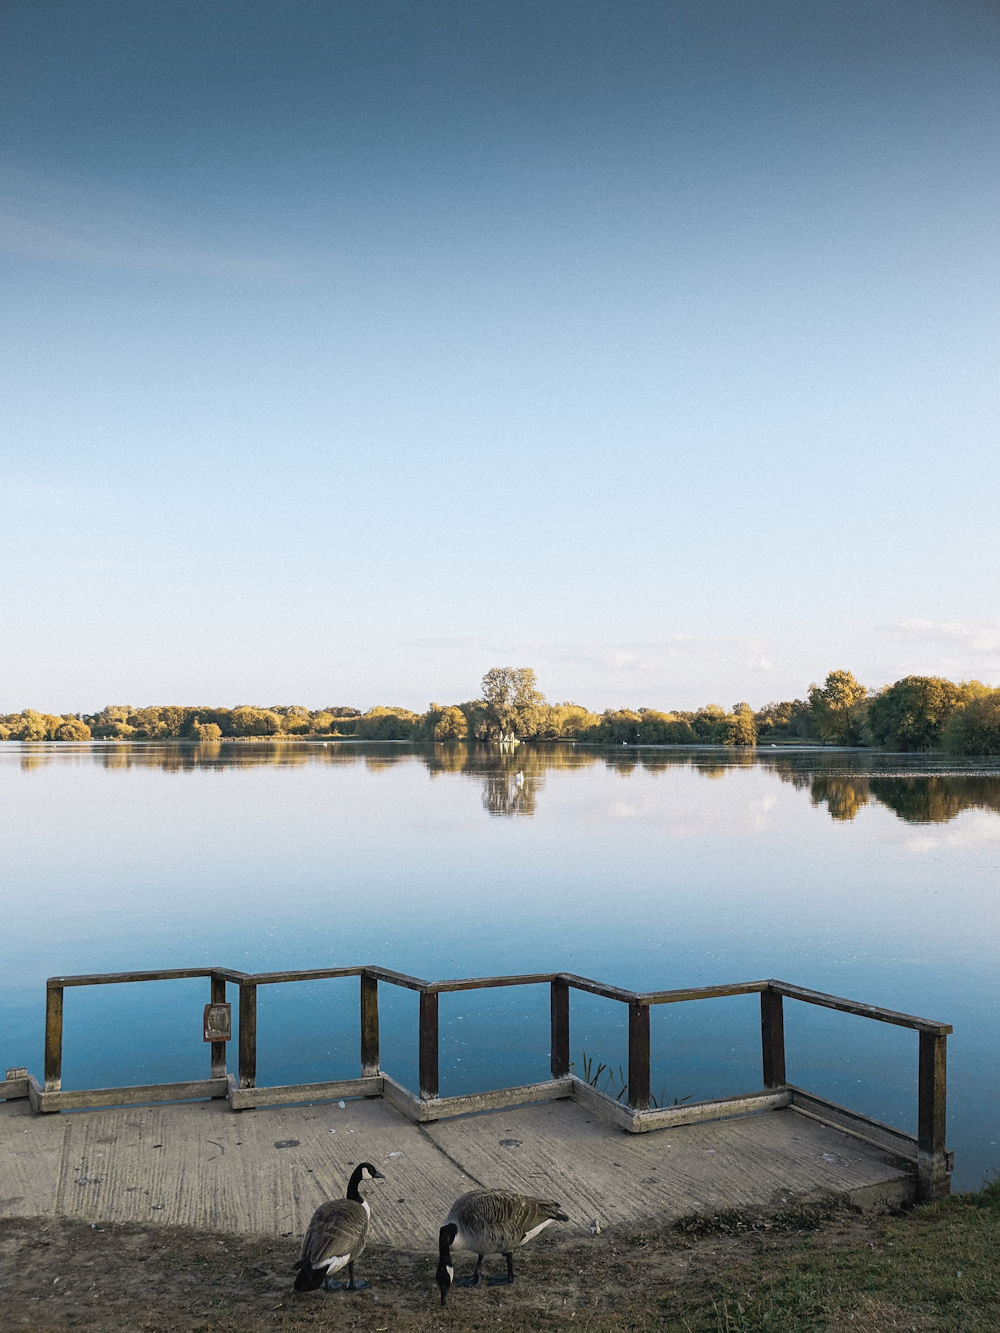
[937, 1268]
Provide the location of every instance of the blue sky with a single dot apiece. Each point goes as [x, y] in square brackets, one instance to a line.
[350, 349]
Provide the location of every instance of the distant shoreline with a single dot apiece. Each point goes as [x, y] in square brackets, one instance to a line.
[785, 747]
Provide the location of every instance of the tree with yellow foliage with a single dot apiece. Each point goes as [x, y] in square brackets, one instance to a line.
[838, 710]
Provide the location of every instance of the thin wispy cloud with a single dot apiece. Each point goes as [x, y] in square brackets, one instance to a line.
[679, 670]
[80, 222]
[950, 647]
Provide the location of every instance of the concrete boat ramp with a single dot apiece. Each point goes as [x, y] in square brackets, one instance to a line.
[264, 1170]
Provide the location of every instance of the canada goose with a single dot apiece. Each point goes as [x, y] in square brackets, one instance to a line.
[337, 1236]
[491, 1222]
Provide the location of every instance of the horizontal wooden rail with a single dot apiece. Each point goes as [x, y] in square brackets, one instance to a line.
[599, 988]
[314, 974]
[861, 1010]
[168, 974]
[703, 992]
[484, 983]
[397, 978]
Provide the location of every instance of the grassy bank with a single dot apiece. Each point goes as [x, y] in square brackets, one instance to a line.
[815, 1268]
[937, 1268]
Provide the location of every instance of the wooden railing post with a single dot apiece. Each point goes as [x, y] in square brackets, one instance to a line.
[218, 1047]
[772, 1035]
[428, 1045]
[53, 1038]
[559, 1018]
[248, 1035]
[933, 1174]
[638, 1056]
[369, 1026]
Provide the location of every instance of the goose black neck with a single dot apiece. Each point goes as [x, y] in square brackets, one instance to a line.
[446, 1237]
[352, 1185]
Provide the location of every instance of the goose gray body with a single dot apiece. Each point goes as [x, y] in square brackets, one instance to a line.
[337, 1236]
[491, 1221]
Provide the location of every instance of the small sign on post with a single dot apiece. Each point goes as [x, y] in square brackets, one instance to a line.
[218, 1022]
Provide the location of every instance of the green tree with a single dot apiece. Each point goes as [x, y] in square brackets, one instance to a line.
[112, 721]
[706, 720]
[33, 726]
[387, 724]
[658, 728]
[206, 731]
[73, 729]
[295, 720]
[838, 709]
[974, 726]
[513, 701]
[679, 732]
[477, 718]
[912, 713]
[618, 726]
[790, 719]
[736, 728]
[147, 724]
[343, 721]
[248, 721]
[564, 721]
[451, 726]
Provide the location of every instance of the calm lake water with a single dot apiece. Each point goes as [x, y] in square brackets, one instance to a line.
[872, 876]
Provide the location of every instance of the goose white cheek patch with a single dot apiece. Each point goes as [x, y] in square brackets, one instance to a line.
[535, 1230]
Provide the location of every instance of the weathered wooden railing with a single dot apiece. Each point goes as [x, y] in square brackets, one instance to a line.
[926, 1150]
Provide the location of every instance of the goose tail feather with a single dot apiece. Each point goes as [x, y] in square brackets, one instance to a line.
[308, 1278]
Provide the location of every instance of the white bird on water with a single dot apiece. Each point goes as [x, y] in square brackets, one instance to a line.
[519, 780]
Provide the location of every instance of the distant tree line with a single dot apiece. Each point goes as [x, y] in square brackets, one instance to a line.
[915, 713]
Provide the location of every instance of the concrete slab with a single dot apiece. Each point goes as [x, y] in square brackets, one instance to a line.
[265, 1171]
[559, 1150]
[31, 1155]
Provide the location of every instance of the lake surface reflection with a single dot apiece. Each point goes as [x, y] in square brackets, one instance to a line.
[873, 876]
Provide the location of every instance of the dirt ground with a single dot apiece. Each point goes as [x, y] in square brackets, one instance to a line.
[58, 1275]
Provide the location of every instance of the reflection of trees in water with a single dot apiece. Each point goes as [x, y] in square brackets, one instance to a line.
[920, 798]
[447, 759]
[843, 797]
[936, 800]
[843, 786]
[512, 776]
[504, 795]
[376, 763]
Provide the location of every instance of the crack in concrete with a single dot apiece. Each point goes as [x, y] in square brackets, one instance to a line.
[448, 1157]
